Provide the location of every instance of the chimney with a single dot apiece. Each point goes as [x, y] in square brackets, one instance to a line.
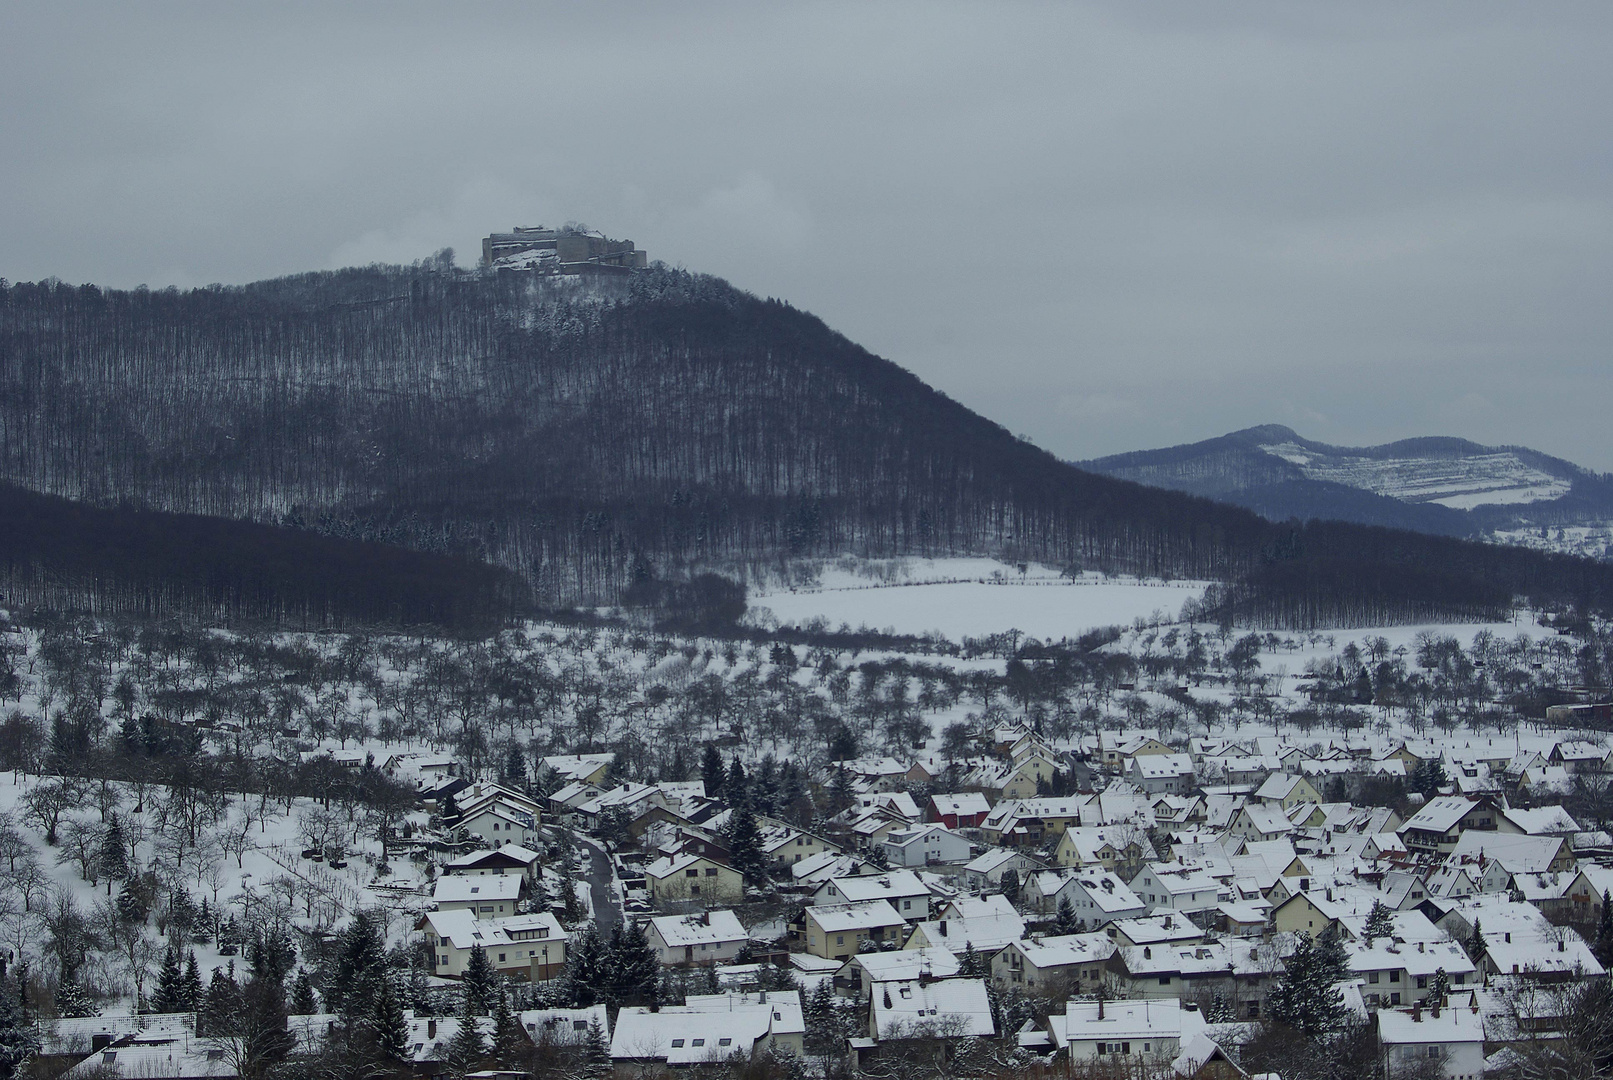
[431, 1029]
[1148, 953]
[1417, 1013]
[1509, 937]
[943, 928]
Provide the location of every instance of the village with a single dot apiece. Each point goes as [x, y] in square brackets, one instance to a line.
[1014, 891]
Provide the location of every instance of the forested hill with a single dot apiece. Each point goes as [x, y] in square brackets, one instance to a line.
[592, 432]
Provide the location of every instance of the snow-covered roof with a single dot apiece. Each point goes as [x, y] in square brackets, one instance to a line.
[708, 927]
[1439, 814]
[459, 888]
[946, 1007]
[1123, 1020]
[962, 803]
[1454, 1025]
[841, 917]
[896, 884]
[905, 964]
[563, 1026]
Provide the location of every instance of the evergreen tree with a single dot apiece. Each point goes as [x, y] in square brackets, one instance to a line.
[387, 1022]
[169, 995]
[1439, 988]
[1475, 942]
[480, 982]
[1604, 932]
[360, 966]
[1331, 955]
[1065, 921]
[112, 859]
[1009, 883]
[74, 1001]
[19, 1039]
[191, 990]
[840, 791]
[633, 970]
[1379, 923]
[221, 1007]
[712, 772]
[585, 969]
[1304, 998]
[736, 788]
[596, 1049]
[969, 966]
[303, 1001]
[508, 1038]
[131, 906]
[744, 840]
[467, 1047]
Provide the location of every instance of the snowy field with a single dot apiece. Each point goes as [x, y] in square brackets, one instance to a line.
[976, 597]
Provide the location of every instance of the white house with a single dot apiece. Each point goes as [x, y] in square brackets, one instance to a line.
[710, 937]
[488, 897]
[1186, 889]
[1453, 1037]
[902, 889]
[708, 1028]
[531, 946]
[1124, 1029]
[1161, 774]
[923, 845]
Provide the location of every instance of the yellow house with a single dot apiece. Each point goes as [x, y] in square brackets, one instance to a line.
[1304, 913]
[1287, 791]
[693, 877]
[1021, 781]
[837, 931]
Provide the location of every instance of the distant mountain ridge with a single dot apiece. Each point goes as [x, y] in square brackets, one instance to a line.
[610, 439]
[1433, 484]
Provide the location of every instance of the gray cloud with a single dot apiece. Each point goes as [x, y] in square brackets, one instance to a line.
[1107, 226]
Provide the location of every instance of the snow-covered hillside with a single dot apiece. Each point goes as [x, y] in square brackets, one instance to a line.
[1461, 482]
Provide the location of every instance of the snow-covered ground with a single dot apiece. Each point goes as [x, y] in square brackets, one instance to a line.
[976, 597]
[1461, 483]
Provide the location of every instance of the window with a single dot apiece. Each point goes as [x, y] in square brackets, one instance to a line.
[1164, 980]
[698, 1042]
[711, 871]
[840, 939]
[501, 958]
[579, 1025]
[1433, 1051]
[725, 1042]
[1372, 977]
[907, 905]
[1422, 982]
[677, 1044]
[694, 890]
[691, 873]
[487, 907]
[1394, 976]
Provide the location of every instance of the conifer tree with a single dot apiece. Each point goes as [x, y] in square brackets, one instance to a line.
[221, 1007]
[387, 1022]
[712, 772]
[969, 966]
[1475, 942]
[19, 1039]
[360, 966]
[467, 1047]
[585, 969]
[1065, 921]
[1379, 923]
[736, 788]
[633, 969]
[169, 995]
[1010, 885]
[303, 1001]
[596, 1050]
[1439, 987]
[480, 982]
[508, 1038]
[112, 859]
[1604, 932]
[73, 1000]
[1304, 998]
[744, 840]
[191, 988]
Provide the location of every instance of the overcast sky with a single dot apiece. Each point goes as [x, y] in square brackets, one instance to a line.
[1106, 226]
